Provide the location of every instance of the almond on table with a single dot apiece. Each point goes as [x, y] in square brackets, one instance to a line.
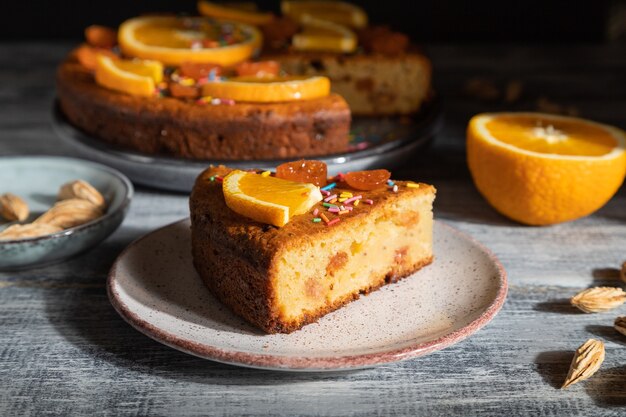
[586, 362]
[599, 299]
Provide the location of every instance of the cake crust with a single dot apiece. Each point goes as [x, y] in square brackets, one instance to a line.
[182, 128]
[372, 84]
[238, 258]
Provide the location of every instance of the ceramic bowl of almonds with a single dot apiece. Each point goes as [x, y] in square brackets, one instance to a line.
[52, 208]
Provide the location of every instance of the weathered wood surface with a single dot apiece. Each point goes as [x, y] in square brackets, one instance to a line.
[64, 350]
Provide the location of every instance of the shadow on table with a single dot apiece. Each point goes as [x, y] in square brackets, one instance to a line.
[558, 306]
[607, 332]
[607, 388]
[553, 366]
[610, 275]
[463, 202]
[83, 315]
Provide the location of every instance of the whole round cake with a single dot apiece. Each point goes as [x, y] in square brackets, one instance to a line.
[239, 84]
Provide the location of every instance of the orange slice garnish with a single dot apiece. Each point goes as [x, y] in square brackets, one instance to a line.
[86, 55]
[174, 40]
[339, 12]
[218, 11]
[135, 77]
[323, 35]
[542, 169]
[268, 90]
[267, 199]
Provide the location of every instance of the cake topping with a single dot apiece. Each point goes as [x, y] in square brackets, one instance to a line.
[101, 36]
[137, 77]
[250, 15]
[268, 199]
[323, 35]
[86, 55]
[314, 172]
[269, 90]
[338, 12]
[368, 180]
[259, 69]
[174, 40]
[199, 70]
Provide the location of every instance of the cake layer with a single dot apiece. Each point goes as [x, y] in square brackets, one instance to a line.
[185, 129]
[372, 84]
[280, 279]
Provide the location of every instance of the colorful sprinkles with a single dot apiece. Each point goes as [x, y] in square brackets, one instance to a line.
[340, 203]
[329, 186]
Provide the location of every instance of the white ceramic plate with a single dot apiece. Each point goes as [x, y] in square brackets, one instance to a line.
[154, 286]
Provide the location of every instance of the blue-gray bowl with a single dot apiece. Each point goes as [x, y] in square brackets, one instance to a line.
[37, 180]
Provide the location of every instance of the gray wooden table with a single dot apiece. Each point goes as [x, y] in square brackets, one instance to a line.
[64, 350]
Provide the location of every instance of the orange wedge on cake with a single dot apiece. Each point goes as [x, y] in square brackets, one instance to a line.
[136, 77]
[268, 199]
[542, 169]
[323, 35]
[268, 90]
[174, 40]
[339, 12]
[218, 11]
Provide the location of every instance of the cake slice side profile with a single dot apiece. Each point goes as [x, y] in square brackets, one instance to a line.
[282, 278]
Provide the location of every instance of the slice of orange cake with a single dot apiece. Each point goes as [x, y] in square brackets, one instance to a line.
[306, 251]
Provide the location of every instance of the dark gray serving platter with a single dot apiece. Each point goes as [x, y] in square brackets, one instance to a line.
[376, 143]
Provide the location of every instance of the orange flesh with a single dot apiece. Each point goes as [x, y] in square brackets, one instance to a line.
[275, 190]
[177, 35]
[552, 136]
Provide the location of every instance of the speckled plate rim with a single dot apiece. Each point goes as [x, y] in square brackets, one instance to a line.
[304, 363]
[128, 196]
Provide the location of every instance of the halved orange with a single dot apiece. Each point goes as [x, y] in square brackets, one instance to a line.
[334, 11]
[268, 90]
[218, 11]
[323, 35]
[268, 199]
[174, 40]
[542, 169]
[136, 77]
